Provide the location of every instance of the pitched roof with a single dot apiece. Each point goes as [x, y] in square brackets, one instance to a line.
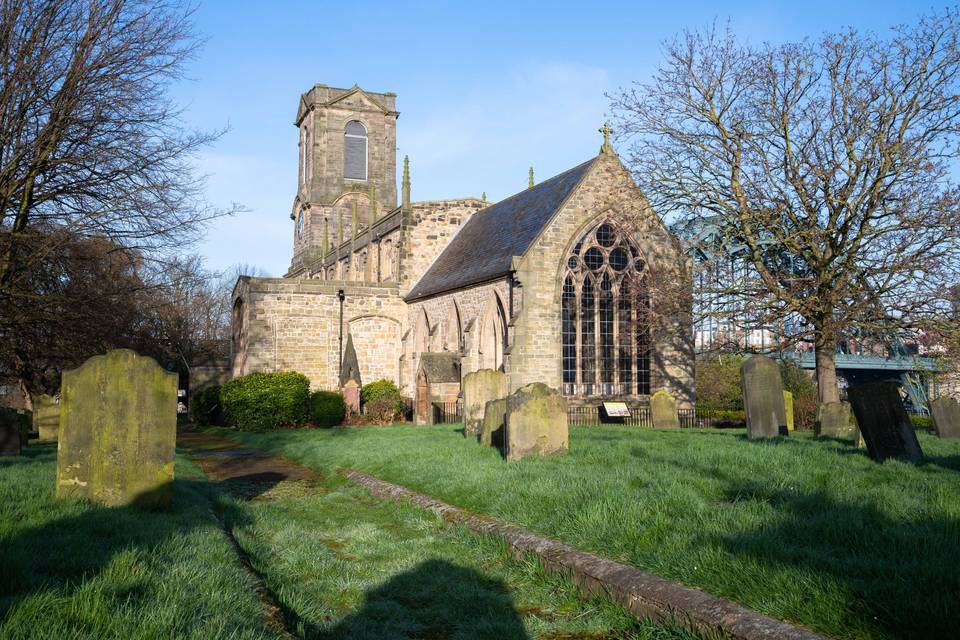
[440, 367]
[483, 248]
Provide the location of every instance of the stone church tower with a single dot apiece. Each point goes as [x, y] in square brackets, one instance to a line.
[347, 166]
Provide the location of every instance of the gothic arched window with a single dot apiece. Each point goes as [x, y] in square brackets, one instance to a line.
[355, 151]
[605, 348]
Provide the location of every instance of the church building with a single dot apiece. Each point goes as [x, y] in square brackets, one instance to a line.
[426, 292]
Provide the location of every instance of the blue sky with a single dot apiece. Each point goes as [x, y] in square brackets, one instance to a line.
[485, 89]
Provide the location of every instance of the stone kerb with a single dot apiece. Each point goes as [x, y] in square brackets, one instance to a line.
[46, 417]
[536, 422]
[479, 388]
[118, 424]
[833, 420]
[946, 416]
[663, 410]
[763, 397]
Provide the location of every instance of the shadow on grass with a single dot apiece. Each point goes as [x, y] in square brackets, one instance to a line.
[435, 599]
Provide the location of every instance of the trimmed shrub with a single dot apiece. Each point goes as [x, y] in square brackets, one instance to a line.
[265, 401]
[718, 383]
[381, 400]
[327, 408]
[205, 408]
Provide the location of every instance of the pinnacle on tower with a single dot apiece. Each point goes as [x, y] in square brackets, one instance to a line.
[531, 177]
[405, 189]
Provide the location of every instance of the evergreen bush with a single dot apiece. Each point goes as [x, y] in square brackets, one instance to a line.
[327, 408]
[265, 401]
[381, 401]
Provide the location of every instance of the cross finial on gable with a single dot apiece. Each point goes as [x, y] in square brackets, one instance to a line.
[606, 130]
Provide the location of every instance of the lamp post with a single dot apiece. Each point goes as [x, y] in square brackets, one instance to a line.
[340, 297]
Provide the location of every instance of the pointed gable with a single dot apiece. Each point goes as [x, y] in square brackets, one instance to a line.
[484, 248]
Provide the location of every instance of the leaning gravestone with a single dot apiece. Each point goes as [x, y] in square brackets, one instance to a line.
[663, 410]
[494, 416]
[479, 388]
[788, 409]
[10, 432]
[883, 422]
[763, 397]
[946, 416]
[536, 422]
[833, 420]
[118, 426]
[46, 417]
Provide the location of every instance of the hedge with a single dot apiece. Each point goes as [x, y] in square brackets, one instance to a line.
[381, 401]
[205, 407]
[265, 401]
[327, 408]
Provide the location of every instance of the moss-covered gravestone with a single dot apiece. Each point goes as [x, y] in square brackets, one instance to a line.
[763, 397]
[536, 422]
[946, 416]
[118, 426]
[46, 417]
[788, 409]
[494, 416]
[833, 420]
[479, 388]
[883, 422]
[663, 410]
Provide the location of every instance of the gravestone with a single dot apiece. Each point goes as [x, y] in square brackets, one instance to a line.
[494, 416]
[763, 397]
[833, 420]
[479, 388]
[788, 409]
[351, 396]
[118, 425]
[663, 410]
[536, 422]
[46, 417]
[883, 422]
[10, 432]
[946, 416]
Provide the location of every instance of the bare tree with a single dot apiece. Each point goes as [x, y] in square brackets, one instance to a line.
[91, 148]
[828, 161]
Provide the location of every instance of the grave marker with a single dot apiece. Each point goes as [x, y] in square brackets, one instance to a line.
[833, 420]
[479, 388]
[46, 417]
[788, 409]
[763, 397]
[883, 422]
[118, 425]
[536, 422]
[946, 416]
[9, 432]
[494, 416]
[663, 410]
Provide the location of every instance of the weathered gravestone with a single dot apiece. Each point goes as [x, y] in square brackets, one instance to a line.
[118, 425]
[763, 397]
[946, 416]
[663, 410]
[10, 432]
[833, 420]
[536, 422]
[479, 388]
[46, 417]
[883, 422]
[788, 409]
[494, 416]
[351, 396]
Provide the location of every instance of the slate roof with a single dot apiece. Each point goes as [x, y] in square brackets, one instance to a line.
[483, 248]
[440, 367]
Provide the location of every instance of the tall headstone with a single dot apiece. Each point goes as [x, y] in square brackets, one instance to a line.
[663, 410]
[118, 425]
[833, 420]
[479, 388]
[10, 432]
[946, 416]
[494, 417]
[763, 397]
[788, 409]
[351, 396]
[883, 422]
[536, 422]
[46, 417]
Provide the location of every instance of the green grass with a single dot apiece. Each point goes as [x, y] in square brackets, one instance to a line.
[69, 569]
[339, 564]
[807, 531]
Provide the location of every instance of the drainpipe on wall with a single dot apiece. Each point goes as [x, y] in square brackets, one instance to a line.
[340, 297]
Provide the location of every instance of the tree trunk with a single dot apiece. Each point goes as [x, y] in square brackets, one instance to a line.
[826, 363]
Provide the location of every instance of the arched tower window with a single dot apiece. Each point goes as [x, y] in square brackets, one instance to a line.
[355, 151]
[606, 342]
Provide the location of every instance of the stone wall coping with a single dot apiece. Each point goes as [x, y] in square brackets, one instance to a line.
[310, 285]
[643, 594]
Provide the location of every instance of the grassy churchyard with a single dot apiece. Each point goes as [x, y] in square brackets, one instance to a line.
[808, 531]
[335, 562]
